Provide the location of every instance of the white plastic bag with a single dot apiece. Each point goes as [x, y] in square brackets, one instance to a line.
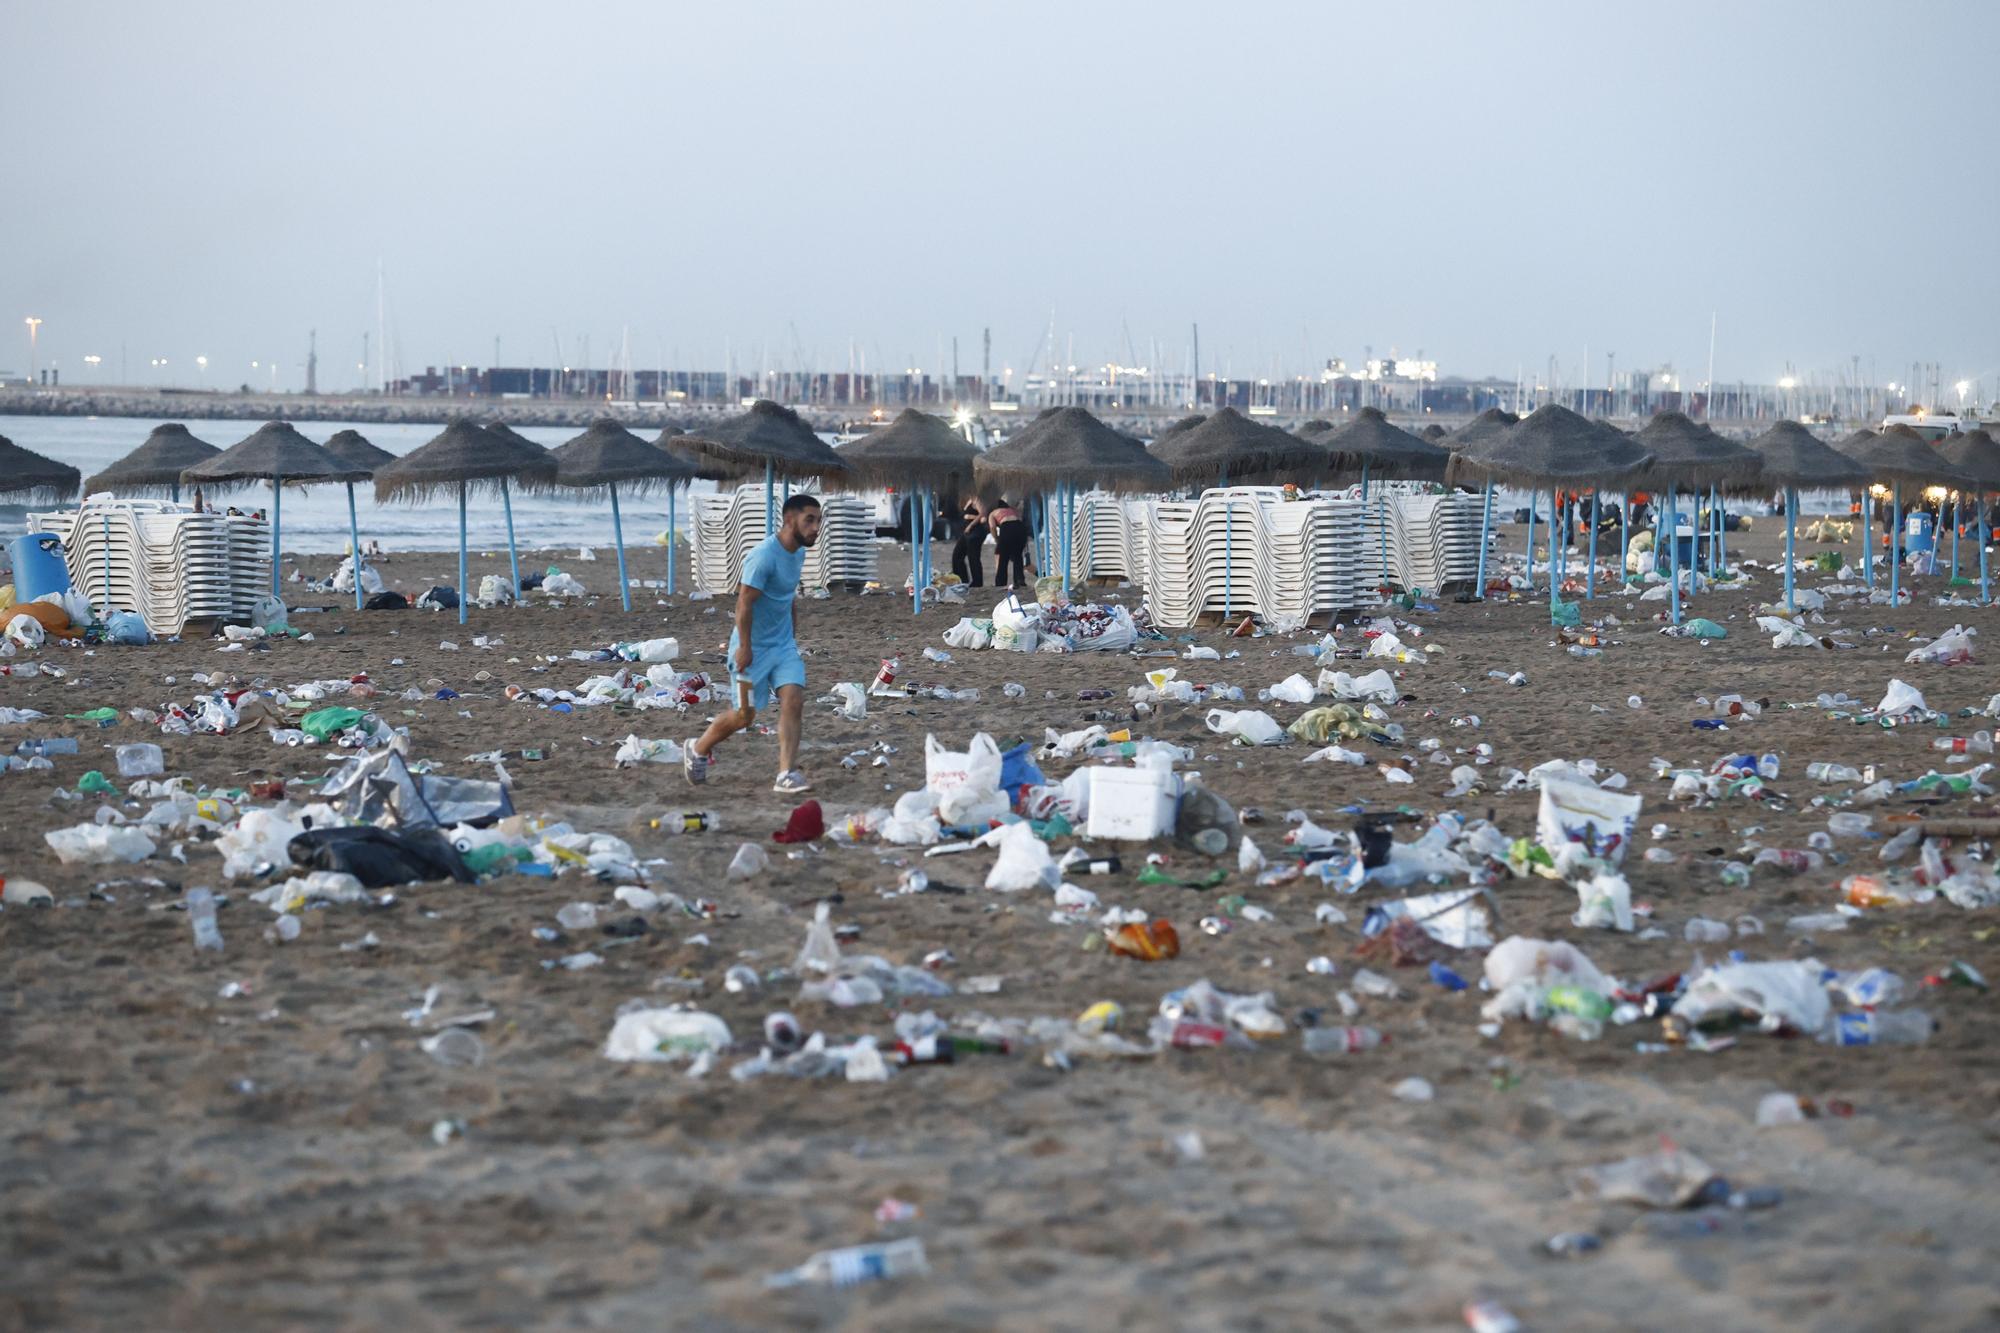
[25, 630]
[967, 633]
[268, 614]
[634, 751]
[1604, 902]
[665, 1035]
[1950, 648]
[914, 822]
[560, 584]
[1786, 634]
[1024, 862]
[1293, 689]
[1378, 685]
[853, 703]
[821, 951]
[977, 766]
[1788, 992]
[1599, 821]
[1901, 698]
[99, 844]
[1248, 726]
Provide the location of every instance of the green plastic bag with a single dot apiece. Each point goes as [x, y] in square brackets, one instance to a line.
[94, 782]
[329, 722]
[1699, 628]
[1564, 615]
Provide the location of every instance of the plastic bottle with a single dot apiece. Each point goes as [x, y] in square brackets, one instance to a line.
[936, 655]
[857, 1264]
[1013, 689]
[1832, 773]
[1979, 742]
[1899, 846]
[688, 821]
[455, 1048]
[1579, 1001]
[1341, 1041]
[1703, 930]
[1735, 705]
[1847, 824]
[1579, 650]
[1789, 860]
[1898, 1027]
[201, 914]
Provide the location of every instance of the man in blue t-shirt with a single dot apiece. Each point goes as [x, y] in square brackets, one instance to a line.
[764, 650]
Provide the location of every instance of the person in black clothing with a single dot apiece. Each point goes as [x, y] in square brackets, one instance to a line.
[1010, 542]
[966, 552]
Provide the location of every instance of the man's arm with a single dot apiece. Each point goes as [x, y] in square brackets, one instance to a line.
[746, 597]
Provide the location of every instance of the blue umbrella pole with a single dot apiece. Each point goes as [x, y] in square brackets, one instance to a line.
[463, 595]
[1868, 535]
[277, 527]
[1985, 536]
[1590, 570]
[618, 535]
[1895, 542]
[1485, 527]
[770, 515]
[513, 555]
[1954, 538]
[1673, 531]
[1531, 541]
[916, 511]
[1791, 545]
[354, 544]
[1068, 494]
[670, 540]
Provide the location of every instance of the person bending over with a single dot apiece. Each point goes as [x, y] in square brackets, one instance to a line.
[966, 558]
[763, 649]
[1010, 542]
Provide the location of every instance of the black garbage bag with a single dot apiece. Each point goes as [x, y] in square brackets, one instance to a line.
[380, 858]
[440, 597]
[531, 580]
[388, 601]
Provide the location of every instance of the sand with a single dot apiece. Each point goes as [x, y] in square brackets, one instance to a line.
[175, 1159]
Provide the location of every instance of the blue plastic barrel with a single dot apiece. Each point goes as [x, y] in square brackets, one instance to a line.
[1919, 531]
[38, 566]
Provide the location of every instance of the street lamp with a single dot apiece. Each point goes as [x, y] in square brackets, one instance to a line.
[34, 327]
[93, 362]
[202, 362]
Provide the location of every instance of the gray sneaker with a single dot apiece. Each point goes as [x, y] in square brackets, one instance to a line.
[791, 783]
[694, 766]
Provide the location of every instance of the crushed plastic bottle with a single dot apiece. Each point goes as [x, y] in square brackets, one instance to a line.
[1832, 773]
[142, 760]
[1341, 1040]
[857, 1264]
[1902, 1027]
[201, 915]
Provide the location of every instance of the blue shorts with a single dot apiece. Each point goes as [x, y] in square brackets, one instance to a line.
[768, 670]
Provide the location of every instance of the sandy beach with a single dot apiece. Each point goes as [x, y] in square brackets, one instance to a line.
[177, 1159]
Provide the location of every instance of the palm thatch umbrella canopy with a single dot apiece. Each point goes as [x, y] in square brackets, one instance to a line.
[1791, 455]
[609, 456]
[769, 436]
[674, 441]
[465, 454]
[1386, 450]
[916, 450]
[351, 446]
[1686, 454]
[1551, 447]
[1229, 444]
[1859, 439]
[1317, 426]
[1900, 455]
[1493, 422]
[1977, 454]
[273, 452]
[1185, 423]
[25, 472]
[1069, 446]
[1434, 433]
[155, 467]
[276, 453]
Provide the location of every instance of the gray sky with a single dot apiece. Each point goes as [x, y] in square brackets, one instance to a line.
[1492, 183]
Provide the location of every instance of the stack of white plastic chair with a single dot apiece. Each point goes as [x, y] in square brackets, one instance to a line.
[713, 556]
[1108, 540]
[1435, 540]
[1170, 580]
[1231, 562]
[847, 551]
[162, 560]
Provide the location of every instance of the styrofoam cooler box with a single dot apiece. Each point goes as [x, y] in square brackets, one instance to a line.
[1133, 804]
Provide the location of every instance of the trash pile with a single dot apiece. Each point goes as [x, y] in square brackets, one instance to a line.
[1058, 627]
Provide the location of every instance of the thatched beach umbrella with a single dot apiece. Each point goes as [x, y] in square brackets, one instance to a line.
[770, 436]
[1227, 444]
[276, 453]
[155, 467]
[1433, 432]
[1791, 456]
[1977, 454]
[1898, 455]
[461, 458]
[1063, 448]
[609, 456]
[351, 446]
[42, 480]
[919, 453]
[1371, 442]
[1686, 454]
[1488, 424]
[1551, 447]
